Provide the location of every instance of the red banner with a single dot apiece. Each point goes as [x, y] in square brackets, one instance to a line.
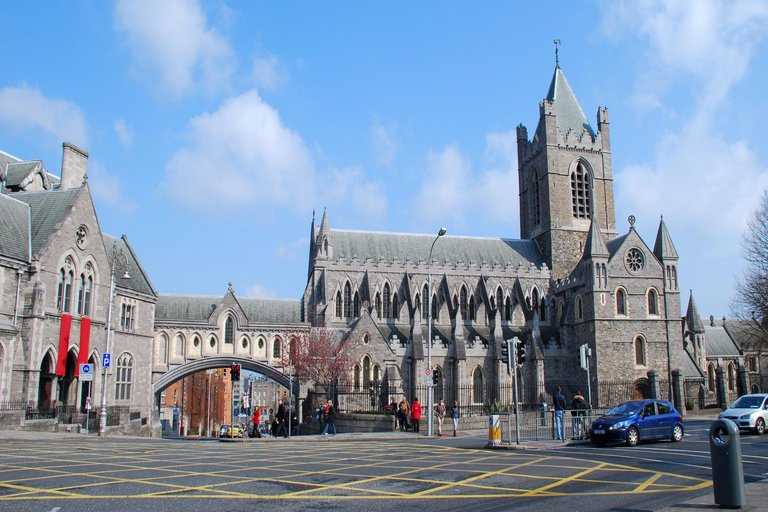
[85, 336]
[61, 364]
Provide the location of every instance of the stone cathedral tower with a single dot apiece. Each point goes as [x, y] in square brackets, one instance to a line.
[565, 178]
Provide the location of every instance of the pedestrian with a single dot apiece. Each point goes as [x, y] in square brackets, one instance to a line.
[282, 420]
[256, 419]
[329, 420]
[404, 409]
[440, 415]
[321, 415]
[455, 413]
[392, 409]
[560, 406]
[294, 424]
[416, 414]
[578, 412]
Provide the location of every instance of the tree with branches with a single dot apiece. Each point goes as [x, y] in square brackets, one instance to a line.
[751, 297]
[320, 355]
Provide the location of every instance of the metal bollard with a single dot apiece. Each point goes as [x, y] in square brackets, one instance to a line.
[494, 432]
[543, 414]
[727, 468]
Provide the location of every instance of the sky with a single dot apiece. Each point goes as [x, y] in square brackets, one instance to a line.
[216, 128]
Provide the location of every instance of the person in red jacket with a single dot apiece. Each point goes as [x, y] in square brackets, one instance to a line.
[416, 414]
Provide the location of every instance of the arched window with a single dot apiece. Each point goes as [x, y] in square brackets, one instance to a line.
[579, 310]
[395, 306]
[535, 300]
[500, 303]
[178, 343]
[162, 348]
[80, 294]
[477, 385]
[378, 305]
[60, 291]
[621, 302]
[508, 309]
[124, 377]
[338, 305]
[387, 304]
[366, 372]
[435, 309]
[463, 303]
[711, 377]
[535, 198]
[424, 303]
[731, 377]
[560, 311]
[543, 312]
[87, 300]
[581, 192]
[229, 331]
[652, 302]
[471, 309]
[376, 373]
[356, 306]
[347, 300]
[356, 376]
[640, 359]
[277, 349]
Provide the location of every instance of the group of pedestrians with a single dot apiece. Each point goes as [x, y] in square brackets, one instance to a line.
[326, 414]
[408, 416]
[578, 409]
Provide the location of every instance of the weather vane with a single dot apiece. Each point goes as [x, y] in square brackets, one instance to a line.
[557, 60]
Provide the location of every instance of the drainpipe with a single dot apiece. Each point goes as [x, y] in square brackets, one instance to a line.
[19, 273]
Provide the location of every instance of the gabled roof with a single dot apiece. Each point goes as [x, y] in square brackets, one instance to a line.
[139, 282]
[391, 247]
[6, 159]
[15, 232]
[748, 334]
[197, 309]
[49, 207]
[615, 244]
[570, 117]
[664, 248]
[719, 343]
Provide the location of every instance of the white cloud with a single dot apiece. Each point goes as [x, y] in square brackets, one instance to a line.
[172, 44]
[349, 188]
[293, 250]
[24, 108]
[258, 291]
[384, 140]
[268, 72]
[124, 132]
[241, 155]
[105, 187]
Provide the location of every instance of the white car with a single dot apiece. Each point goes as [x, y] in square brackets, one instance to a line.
[749, 412]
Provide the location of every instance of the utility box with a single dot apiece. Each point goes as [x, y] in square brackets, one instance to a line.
[727, 468]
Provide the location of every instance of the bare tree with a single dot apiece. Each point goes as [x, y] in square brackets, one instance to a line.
[320, 355]
[752, 289]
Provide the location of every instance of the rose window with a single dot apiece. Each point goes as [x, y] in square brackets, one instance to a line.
[634, 260]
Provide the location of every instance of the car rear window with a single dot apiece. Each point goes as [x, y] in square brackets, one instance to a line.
[663, 407]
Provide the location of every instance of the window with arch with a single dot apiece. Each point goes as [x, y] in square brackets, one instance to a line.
[124, 377]
[377, 305]
[477, 385]
[435, 309]
[366, 372]
[80, 294]
[653, 302]
[356, 306]
[387, 304]
[535, 198]
[500, 302]
[338, 305]
[196, 342]
[244, 342]
[463, 302]
[471, 308]
[127, 313]
[640, 352]
[581, 192]
[162, 348]
[229, 331]
[621, 302]
[424, 303]
[277, 349]
[347, 300]
[395, 306]
[178, 343]
[508, 309]
[579, 311]
[731, 377]
[376, 373]
[543, 310]
[212, 341]
[356, 376]
[711, 377]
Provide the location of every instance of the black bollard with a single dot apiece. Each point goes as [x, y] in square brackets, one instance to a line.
[727, 468]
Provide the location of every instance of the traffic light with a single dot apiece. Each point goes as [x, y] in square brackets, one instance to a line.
[235, 372]
[435, 376]
[520, 352]
[505, 353]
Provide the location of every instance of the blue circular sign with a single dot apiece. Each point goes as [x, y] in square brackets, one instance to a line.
[86, 368]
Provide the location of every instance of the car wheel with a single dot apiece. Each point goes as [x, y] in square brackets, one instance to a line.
[633, 436]
[760, 426]
[677, 433]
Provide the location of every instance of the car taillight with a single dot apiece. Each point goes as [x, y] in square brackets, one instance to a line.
[681, 418]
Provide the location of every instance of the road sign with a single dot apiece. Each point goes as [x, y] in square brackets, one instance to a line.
[86, 372]
[427, 372]
[105, 360]
[428, 379]
[88, 403]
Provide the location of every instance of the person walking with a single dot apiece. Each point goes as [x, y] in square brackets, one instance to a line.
[578, 408]
[416, 414]
[322, 416]
[455, 413]
[560, 406]
[282, 420]
[440, 415]
[404, 410]
[330, 412]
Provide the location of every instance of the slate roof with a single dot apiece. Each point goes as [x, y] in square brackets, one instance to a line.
[5, 159]
[749, 335]
[391, 247]
[614, 244]
[693, 322]
[570, 117]
[139, 282]
[17, 172]
[719, 343]
[49, 207]
[15, 238]
[197, 308]
[664, 248]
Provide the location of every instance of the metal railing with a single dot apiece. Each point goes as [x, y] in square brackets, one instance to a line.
[540, 425]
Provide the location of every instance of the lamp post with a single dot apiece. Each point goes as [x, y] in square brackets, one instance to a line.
[119, 262]
[430, 385]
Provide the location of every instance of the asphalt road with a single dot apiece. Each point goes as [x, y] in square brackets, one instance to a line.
[91, 474]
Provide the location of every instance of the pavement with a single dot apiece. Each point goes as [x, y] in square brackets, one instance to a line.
[756, 493]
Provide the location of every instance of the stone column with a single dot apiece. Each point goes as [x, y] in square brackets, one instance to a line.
[678, 395]
[742, 381]
[722, 391]
[653, 384]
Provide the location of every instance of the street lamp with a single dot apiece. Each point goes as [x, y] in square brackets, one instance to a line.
[119, 263]
[430, 385]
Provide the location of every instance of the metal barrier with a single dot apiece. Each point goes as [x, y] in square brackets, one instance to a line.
[538, 425]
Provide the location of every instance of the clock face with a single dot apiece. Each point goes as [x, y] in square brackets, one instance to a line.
[81, 237]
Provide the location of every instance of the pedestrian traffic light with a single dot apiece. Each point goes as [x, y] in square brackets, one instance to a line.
[505, 353]
[435, 376]
[520, 352]
[235, 372]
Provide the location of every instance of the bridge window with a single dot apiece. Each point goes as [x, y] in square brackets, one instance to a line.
[124, 377]
[229, 331]
[162, 348]
[261, 343]
[244, 343]
[179, 345]
[212, 342]
[277, 349]
[196, 341]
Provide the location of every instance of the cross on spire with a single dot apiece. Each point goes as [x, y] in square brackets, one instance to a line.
[557, 60]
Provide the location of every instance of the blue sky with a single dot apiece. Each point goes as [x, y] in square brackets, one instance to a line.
[215, 128]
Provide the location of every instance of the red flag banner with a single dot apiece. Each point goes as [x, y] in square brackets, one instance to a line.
[66, 326]
[85, 336]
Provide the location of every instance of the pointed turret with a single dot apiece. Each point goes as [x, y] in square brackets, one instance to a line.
[312, 240]
[595, 245]
[324, 241]
[570, 117]
[664, 249]
[693, 321]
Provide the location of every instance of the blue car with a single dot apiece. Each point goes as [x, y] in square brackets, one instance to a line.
[636, 421]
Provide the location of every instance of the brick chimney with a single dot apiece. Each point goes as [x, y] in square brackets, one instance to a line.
[73, 164]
